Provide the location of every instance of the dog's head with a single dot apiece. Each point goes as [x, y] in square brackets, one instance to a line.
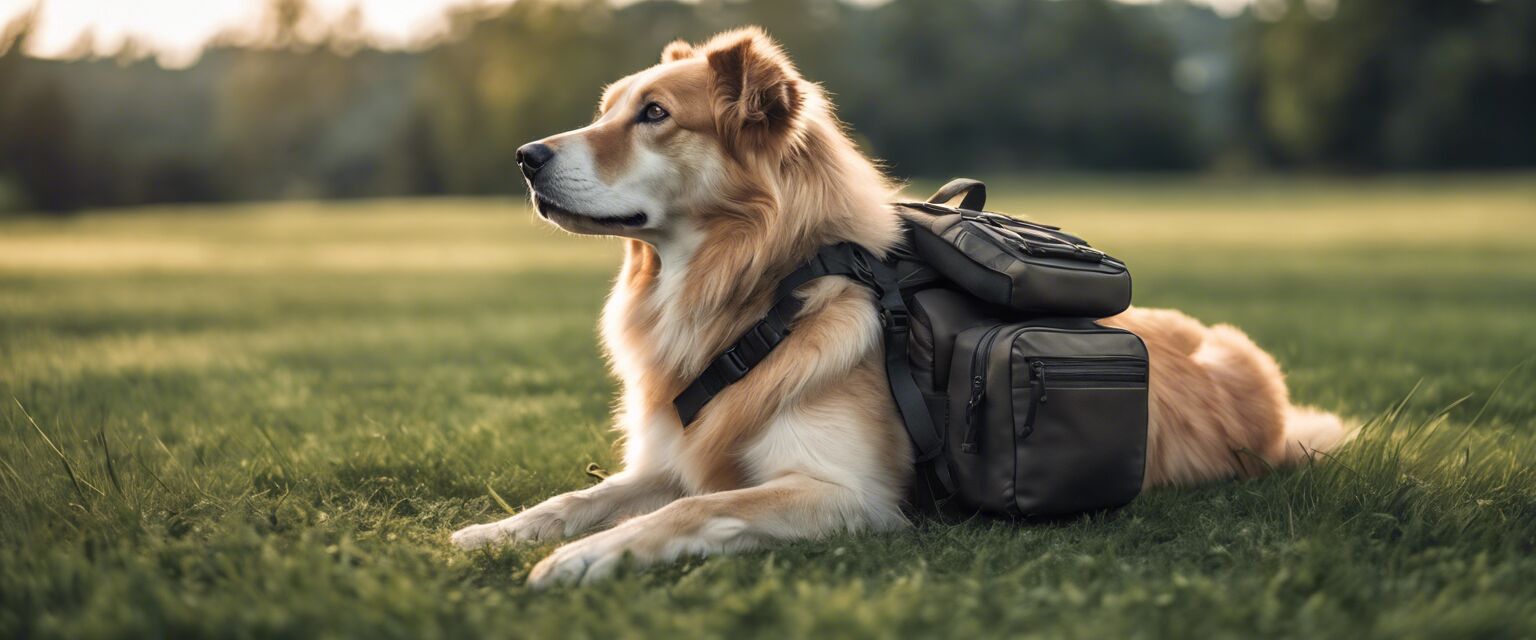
[674, 142]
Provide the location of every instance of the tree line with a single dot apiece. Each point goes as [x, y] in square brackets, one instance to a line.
[933, 87]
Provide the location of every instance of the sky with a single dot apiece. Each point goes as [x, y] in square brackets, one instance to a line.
[177, 29]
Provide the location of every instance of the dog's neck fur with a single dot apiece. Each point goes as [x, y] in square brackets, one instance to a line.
[681, 301]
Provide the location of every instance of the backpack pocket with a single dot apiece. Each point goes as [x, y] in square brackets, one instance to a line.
[1047, 418]
[1021, 265]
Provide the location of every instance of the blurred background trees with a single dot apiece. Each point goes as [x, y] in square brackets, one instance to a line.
[934, 87]
[1394, 84]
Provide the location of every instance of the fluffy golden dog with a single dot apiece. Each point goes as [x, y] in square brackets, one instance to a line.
[724, 169]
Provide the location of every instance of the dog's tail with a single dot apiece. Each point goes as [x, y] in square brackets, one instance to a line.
[1310, 431]
[1246, 371]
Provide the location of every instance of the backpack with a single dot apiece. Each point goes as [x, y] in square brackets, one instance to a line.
[1018, 404]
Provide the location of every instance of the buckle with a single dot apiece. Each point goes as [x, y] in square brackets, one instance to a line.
[895, 319]
[752, 347]
[731, 366]
[755, 344]
[768, 335]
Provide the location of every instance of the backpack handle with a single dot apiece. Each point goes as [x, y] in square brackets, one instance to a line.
[975, 193]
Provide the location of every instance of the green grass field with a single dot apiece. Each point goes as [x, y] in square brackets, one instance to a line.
[265, 420]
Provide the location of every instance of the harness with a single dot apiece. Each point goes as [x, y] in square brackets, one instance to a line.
[887, 280]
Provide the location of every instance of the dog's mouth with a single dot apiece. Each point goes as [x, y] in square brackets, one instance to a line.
[553, 212]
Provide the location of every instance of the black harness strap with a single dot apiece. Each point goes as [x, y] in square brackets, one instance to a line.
[853, 261]
[934, 483]
[760, 339]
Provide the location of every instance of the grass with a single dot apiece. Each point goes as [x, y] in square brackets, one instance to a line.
[264, 420]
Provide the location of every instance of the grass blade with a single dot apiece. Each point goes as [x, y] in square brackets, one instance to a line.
[69, 469]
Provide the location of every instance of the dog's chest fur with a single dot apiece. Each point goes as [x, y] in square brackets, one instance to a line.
[656, 344]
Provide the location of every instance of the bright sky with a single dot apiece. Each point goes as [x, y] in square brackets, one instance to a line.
[177, 29]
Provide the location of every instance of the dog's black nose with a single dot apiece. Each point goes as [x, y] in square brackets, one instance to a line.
[533, 156]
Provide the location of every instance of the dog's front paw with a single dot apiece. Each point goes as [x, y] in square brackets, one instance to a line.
[479, 535]
[536, 524]
[585, 561]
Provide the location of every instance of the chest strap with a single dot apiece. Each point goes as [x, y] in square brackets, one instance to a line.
[754, 345]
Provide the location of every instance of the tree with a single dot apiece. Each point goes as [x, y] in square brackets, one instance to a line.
[1395, 84]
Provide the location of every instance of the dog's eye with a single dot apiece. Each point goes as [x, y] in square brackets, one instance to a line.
[653, 113]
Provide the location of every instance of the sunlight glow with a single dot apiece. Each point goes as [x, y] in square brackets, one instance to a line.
[176, 30]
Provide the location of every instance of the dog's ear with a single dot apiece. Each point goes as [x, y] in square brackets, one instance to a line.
[678, 49]
[757, 93]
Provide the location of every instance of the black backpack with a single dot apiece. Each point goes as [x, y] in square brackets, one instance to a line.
[1018, 404]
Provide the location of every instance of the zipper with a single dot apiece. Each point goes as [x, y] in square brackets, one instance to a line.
[1033, 233]
[1036, 395]
[998, 218]
[1096, 369]
[1026, 241]
[1076, 370]
[1024, 248]
[1051, 233]
[978, 389]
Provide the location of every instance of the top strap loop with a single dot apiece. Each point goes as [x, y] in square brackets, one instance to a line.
[975, 193]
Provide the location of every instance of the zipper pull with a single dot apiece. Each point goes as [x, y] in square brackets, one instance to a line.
[972, 426]
[1036, 397]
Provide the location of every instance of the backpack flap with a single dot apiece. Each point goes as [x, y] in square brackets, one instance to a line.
[1025, 266]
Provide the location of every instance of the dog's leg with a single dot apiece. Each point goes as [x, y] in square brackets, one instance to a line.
[625, 494]
[792, 506]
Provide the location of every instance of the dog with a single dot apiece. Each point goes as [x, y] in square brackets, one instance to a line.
[723, 169]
